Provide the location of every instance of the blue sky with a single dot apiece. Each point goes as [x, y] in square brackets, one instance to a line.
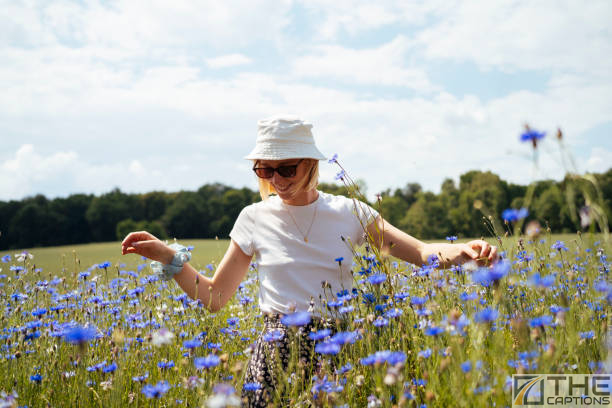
[157, 95]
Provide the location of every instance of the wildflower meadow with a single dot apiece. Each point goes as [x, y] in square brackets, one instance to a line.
[114, 334]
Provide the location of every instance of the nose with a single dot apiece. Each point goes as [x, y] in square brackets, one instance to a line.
[277, 178]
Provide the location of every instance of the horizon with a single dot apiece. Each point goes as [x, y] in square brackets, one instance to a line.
[255, 190]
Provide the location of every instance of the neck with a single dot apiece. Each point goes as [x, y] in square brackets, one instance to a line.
[303, 198]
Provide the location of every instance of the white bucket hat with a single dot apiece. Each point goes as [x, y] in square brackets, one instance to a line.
[284, 137]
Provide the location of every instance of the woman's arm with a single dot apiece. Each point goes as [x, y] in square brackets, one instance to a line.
[401, 245]
[213, 293]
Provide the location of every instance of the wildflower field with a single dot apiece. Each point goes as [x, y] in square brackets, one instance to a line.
[112, 334]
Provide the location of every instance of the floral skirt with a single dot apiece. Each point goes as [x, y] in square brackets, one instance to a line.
[270, 359]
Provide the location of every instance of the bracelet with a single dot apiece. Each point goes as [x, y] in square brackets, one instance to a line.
[167, 271]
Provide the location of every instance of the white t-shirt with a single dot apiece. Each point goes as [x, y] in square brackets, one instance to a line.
[291, 270]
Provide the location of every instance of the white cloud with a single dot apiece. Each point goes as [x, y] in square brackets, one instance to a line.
[510, 35]
[230, 60]
[21, 172]
[383, 65]
[357, 16]
[599, 161]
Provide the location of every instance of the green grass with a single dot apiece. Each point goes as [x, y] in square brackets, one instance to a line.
[206, 251]
[128, 314]
[76, 258]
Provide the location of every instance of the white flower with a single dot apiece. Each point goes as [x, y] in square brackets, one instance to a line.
[223, 401]
[161, 337]
[23, 256]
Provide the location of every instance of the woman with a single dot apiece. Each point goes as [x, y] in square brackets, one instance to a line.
[297, 237]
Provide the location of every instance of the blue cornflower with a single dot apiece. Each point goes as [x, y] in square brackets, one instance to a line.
[395, 312]
[342, 338]
[390, 357]
[451, 238]
[206, 362]
[559, 246]
[544, 282]
[165, 364]
[433, 331]
[110, 368]
[273, 335]
[532, 135]
[554, 309]
[425, 353]
[84, 275]
[345, 369]
[37, 378]
[486, 315]
[104, 265]
[346, 309]
[339, 260]
[80, 335]
[6, 258]
[233, 321]
[335, 303]
[253, 386]
[327, 347]
[190, 344]
[415, 300]
[39, 312]
[334, 158]
[319, 335]
[587, 335]
[368, 298]
[96, 367]
[156, 391]
[141, 378]
[377, 279]
[486, 276]
[340, 176]
[33, 335]
[601, 286]
[466, 366]
[468, 296]
[380, 322]
[513, 215]
[296, 319]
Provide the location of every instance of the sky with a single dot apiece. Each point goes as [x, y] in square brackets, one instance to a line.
[149, 95]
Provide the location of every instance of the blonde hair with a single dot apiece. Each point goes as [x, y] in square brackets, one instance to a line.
[309, 182]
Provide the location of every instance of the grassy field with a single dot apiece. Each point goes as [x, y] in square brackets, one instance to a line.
[76, 258]
[406, 336]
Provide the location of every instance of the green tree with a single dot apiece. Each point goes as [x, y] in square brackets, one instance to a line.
[426, 218]
[126, 226]
[73, 227]
[154, 205]
[187, 216]
[34, 223]
[107, 210]
[550, 209]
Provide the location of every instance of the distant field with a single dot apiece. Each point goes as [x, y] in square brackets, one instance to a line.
[54, 259]
[206, 251]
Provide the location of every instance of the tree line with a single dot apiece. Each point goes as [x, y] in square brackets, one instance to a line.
[211, 211]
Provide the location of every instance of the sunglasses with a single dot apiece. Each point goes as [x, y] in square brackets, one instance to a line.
[283, 171]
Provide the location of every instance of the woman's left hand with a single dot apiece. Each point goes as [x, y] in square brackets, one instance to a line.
[482, 252]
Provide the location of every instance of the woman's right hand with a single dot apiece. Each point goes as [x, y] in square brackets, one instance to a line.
[147, 245]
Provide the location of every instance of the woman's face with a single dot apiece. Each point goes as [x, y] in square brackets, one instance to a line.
[287, 187]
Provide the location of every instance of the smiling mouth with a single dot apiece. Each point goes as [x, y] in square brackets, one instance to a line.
[282, 189]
